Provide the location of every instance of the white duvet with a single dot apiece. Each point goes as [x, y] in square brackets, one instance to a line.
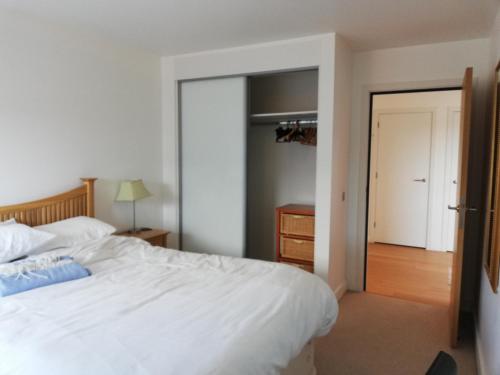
[147, 310]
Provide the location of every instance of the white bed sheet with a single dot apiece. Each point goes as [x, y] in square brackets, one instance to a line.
[147, 310]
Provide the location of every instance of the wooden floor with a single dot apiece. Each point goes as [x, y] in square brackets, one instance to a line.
[409, 273]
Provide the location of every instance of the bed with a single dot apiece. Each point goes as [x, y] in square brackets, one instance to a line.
[150, 310]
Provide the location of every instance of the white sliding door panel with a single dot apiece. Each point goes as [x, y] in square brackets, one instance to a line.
[403, 164]
[213, 149]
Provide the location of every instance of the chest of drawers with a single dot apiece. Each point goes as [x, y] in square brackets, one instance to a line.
[295, 235]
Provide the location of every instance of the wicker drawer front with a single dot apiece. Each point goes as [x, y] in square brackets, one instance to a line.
[305, 267]
[300, 225]
[297, 249]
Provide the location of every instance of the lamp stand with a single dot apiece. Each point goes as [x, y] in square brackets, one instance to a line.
[134, 230]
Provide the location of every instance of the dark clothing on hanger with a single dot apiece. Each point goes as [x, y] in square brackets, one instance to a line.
[306, 136]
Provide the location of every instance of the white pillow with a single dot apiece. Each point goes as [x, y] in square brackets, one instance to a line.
[74, 231]
[17, 240]
[8, 222]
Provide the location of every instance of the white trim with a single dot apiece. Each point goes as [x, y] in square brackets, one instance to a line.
[480, 363]
[340, 290]
[170, 135]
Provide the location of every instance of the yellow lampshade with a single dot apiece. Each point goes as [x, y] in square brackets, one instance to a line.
[131, 191]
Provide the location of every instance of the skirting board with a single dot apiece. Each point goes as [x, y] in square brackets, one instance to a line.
[481, 369]
[340, 290]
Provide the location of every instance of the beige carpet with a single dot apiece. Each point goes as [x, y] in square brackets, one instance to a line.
[382, 335]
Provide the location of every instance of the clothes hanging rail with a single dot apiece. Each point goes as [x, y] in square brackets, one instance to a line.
[288, 123]
[297, 122]
[284, 118]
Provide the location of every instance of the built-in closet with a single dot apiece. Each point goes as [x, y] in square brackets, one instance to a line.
[279, 172]
[247, 147]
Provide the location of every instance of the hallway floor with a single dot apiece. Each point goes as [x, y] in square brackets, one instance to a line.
[380, 335]
[409, 273]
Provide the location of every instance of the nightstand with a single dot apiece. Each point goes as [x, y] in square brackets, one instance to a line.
[156, 237]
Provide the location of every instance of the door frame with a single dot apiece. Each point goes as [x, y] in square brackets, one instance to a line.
[365, 215]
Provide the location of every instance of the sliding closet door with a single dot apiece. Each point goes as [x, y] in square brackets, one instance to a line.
[213, 142]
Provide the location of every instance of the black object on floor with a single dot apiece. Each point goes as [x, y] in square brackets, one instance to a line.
[444, 364]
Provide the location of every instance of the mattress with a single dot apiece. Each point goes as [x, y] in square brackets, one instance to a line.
[149, 310]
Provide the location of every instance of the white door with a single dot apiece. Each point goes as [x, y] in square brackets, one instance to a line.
[451, 178]
[213, 148]
[402, 170]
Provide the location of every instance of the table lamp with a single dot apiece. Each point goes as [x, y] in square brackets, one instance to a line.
[131, 191]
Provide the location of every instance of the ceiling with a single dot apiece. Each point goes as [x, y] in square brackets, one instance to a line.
[170, 27]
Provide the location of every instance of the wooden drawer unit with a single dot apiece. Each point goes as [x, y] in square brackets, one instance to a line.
[298, 225]
[156, 237]
[305, 267]
[158, 241]
[295, 235]
[294, 248]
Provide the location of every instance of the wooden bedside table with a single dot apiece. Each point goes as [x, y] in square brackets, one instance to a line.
[156, 237]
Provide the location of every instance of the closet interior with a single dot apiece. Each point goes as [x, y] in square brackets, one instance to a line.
[281, 167]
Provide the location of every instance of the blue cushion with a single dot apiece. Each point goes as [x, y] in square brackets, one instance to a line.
[38, 271]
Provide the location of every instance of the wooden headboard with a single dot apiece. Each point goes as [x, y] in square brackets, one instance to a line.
[76, 202]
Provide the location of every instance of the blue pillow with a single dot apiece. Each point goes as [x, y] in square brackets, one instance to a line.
[38, 271]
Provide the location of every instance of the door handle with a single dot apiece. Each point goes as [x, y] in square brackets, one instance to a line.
[419, 180]
[458, 208]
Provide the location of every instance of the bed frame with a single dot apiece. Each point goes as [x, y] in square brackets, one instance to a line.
[76, 202]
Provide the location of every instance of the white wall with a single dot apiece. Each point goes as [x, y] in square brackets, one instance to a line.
[284, 92]
[311, 52]
[441, 104]
[488, 319]
[278, 174]
[74, 105]
[340, 150]
[425, 66]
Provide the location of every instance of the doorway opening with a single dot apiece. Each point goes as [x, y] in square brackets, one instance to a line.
[413, 163]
